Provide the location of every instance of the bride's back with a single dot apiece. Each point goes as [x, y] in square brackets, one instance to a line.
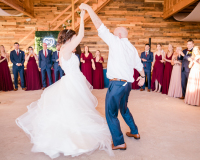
[71, 65]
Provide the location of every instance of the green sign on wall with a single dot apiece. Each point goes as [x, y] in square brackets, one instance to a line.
[49, 37]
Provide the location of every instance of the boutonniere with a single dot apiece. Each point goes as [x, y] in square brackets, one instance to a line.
[189, 52]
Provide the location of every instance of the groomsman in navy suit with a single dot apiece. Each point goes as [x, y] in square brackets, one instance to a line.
[185, 70]
[147, 59]
[45, 64]
[17, 57]
[56, 66]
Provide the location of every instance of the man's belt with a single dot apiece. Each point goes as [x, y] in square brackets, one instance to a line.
[116, 79]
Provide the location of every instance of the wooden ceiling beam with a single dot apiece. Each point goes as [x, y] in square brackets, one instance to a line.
[26, 7]
[170, 8]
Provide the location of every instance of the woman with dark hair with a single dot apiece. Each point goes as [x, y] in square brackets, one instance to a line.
[158, 69]
[87, 63]
[167, 70]
[5, 77]
[64, 120]
[32, 73]
[98, 79]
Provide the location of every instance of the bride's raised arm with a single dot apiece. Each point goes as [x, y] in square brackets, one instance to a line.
[69, 40]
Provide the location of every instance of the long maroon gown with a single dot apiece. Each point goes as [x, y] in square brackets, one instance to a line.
[167, 75]
[98, 79]
[86, 68]
[135, 83]
[32, 75]
[5, 77]
[158, 70]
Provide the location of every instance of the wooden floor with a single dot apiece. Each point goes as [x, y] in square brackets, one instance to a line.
[170, 129]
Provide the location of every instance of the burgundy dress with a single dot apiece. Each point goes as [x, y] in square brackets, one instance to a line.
[158, 70]
[167, 75]
[5, 77]
[135, 83]
[86, 68]
[32, 75]
[98, 79]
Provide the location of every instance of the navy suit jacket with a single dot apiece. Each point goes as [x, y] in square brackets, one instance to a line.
[17, 59]
[149, 58]
[185, 61]
[54, 58]
[45, 62]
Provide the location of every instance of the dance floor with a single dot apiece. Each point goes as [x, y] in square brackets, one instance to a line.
[169, 129]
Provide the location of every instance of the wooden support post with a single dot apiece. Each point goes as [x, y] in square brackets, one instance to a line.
[73, 15]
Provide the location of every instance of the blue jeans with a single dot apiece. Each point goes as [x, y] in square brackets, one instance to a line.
[117, 99]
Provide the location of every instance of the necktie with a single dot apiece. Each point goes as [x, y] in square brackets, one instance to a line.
[58, 54]
[146, 54]
[45, 53]
[17, 53]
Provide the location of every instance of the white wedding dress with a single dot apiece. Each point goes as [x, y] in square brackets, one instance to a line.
[64, 120]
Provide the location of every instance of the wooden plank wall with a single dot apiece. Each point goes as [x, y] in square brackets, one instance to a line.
[144, 21]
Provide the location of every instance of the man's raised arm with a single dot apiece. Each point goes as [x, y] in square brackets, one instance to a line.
[95, 19]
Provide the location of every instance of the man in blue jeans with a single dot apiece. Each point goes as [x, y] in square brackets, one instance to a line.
[123, 58]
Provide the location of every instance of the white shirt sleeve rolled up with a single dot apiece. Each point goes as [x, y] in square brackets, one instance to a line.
[123, 56]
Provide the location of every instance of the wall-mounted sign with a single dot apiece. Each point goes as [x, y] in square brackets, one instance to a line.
[50, 41]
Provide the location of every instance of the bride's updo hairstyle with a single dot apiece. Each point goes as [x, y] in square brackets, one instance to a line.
[65, 35]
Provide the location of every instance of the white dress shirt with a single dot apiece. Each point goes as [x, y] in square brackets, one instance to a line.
[16, 51]
[44, 52]
[123, 56]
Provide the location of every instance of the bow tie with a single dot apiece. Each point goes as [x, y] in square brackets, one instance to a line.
[189, 50]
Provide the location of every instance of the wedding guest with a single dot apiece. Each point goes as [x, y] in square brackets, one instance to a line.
[167, 70]
[32, 73]
[147, 59]
[158, 69]
[57, 68]
[5, 77]
[98, 79]
[193, 87]
[45, 64]
[185, 70]
[87, 64]
[17, 57]
[175, 89]
[135, 83]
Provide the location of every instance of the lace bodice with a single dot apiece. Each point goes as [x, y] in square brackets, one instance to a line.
[71, 65]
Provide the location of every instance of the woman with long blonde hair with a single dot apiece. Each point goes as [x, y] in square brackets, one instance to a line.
[168, 69]
[193, 86]
[175, 89]
[157, 69]
[5, 77]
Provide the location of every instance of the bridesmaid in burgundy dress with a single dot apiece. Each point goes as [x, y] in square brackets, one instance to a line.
[158, 69]
[5, 77]
[135, 83]
[32, 73]
[87, 63]
[98, 79]
[168, 69]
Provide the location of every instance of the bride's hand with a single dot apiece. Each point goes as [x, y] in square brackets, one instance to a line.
[84, 6]
[82, 13]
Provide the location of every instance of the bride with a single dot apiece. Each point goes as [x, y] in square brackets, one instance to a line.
[64, 120]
